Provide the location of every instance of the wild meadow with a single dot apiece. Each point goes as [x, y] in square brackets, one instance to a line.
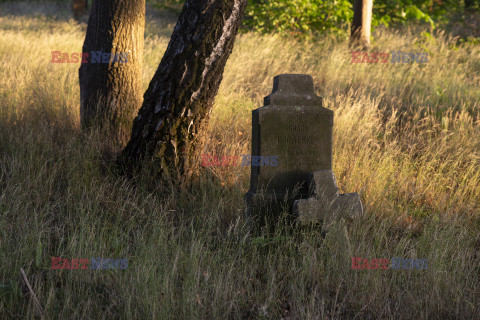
[406, 137]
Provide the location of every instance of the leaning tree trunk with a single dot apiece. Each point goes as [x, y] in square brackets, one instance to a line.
[111, 83]
[79, 8]
[361, 25]
[179, 98]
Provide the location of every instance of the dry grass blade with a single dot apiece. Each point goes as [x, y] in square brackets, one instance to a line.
[38, 306]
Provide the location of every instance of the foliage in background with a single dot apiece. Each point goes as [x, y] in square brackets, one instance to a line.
[431, 11]
[298, 16]
[301, 17]
[388, 12]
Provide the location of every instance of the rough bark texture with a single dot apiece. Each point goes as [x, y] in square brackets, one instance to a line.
[79, 8]
[361, 25]
[181, 93]
[111, 93]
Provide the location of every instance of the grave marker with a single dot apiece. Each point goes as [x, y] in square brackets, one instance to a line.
[294, 126]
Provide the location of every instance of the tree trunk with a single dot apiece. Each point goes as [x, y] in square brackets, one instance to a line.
[179, 98]
[111, 81]
[79, 8]
[361, 25]
[469, 4]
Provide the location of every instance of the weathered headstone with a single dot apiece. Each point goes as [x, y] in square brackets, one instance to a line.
[294, 126]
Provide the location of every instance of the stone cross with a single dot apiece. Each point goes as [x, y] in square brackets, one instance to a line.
[326, 203]
[296, 129]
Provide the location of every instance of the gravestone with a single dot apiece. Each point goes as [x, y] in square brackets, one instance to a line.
[295, 127]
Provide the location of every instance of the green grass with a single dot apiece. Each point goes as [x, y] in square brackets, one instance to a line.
[407, 137]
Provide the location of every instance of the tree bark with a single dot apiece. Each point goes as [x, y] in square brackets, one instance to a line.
[79, 8]
[111, 91]
[180, 96]
[361, 25]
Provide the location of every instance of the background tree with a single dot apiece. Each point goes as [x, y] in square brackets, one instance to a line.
[469, 4]
[181, 93]
[79, 8]
[361, 25]
[111, 91]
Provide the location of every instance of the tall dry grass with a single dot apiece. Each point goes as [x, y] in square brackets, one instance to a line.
[406, 136]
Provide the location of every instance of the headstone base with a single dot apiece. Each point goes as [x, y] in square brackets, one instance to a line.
[266, 209]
